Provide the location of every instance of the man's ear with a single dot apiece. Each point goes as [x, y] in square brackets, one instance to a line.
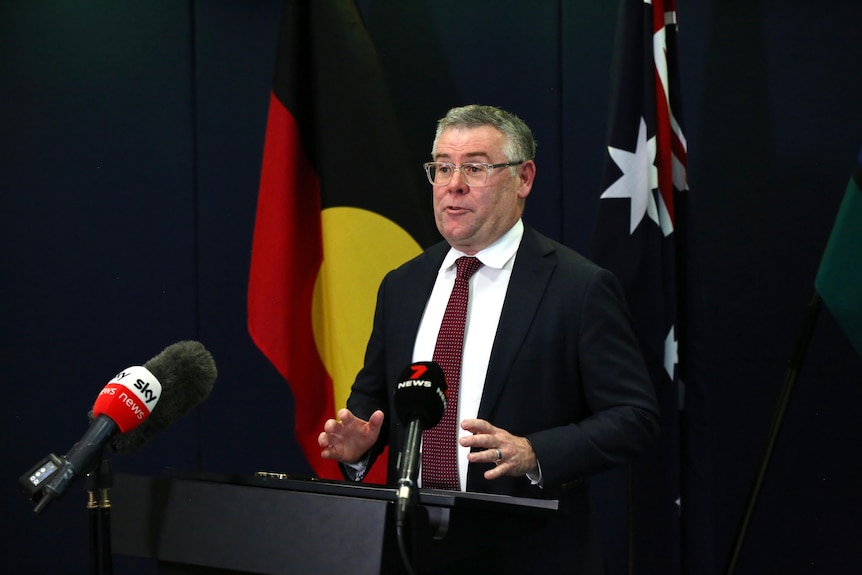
[526, 175]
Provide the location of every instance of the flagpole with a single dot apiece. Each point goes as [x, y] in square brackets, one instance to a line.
[793, 368]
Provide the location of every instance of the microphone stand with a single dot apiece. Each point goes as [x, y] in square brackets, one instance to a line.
[99, 482]
[408, 470]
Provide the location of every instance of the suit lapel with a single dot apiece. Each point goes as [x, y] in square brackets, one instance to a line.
[413, 299]
[530, 276]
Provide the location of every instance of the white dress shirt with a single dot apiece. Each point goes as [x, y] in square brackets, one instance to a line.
[487, 292]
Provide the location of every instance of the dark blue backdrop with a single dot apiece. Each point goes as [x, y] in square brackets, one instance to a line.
[131, 140]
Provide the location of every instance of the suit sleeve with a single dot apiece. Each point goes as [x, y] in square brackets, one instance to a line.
[369, 391]
[621, 417]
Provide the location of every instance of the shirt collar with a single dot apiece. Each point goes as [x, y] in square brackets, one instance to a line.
[497, 255]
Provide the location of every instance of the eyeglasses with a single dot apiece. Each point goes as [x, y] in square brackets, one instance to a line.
[475, 174]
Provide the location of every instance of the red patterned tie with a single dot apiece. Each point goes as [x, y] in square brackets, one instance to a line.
[439, 444]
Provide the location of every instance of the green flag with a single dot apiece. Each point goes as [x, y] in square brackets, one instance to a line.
[839, 278]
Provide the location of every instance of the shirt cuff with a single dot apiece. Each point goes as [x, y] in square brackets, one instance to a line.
[536, 478]
[356, 471]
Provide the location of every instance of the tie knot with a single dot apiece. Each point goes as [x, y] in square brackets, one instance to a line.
[467, 266]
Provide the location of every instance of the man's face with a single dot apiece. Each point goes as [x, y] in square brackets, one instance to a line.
[471, 218]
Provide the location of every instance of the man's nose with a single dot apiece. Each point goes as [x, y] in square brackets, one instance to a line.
[457, 184]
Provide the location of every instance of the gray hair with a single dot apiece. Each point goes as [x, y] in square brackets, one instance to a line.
[519, 146]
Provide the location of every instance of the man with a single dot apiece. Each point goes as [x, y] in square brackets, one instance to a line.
[552, 385]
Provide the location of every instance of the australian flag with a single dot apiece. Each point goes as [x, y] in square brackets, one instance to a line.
[640, 236]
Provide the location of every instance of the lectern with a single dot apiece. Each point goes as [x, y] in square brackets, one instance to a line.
[194, 523]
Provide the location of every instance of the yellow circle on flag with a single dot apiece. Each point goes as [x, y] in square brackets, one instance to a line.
[359, 248]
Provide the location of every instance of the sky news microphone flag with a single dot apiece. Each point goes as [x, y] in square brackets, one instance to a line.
[640, 236]
[839, 277]
[340, 204]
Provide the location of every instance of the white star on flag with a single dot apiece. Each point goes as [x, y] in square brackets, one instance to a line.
[671, 356]
[639, 179]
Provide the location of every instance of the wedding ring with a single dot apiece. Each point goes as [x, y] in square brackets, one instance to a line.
[499, 455]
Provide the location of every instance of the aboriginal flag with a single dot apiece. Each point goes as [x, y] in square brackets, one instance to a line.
[641, 236]
[340, 204]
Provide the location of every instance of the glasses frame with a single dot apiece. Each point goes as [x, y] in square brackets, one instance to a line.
[488, 168]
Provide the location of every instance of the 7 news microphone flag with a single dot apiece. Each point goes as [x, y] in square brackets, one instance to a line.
[339, 205]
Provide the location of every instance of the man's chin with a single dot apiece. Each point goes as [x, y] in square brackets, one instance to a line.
[455, 235]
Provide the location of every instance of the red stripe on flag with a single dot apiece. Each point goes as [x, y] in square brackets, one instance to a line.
[664, 161]
[663, 147]
[286, 256]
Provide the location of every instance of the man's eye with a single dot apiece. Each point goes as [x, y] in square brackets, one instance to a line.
[472, 168]
[444, 169]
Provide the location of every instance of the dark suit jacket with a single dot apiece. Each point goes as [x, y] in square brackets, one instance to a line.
[565, 370]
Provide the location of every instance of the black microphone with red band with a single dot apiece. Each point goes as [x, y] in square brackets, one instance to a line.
[136, 404]
[420, 400]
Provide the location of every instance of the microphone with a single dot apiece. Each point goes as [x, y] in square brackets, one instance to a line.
[176, 380]
[420, 400]
[187, 372]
